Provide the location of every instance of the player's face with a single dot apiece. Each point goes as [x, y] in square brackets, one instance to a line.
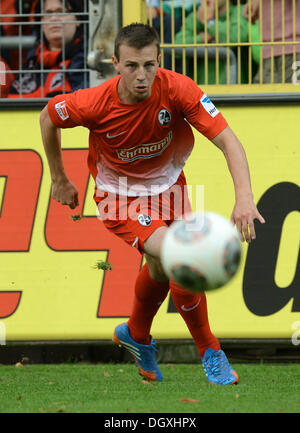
[138, 70]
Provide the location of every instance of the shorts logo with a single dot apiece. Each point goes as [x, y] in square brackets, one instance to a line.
[61, 109]
[144, 220]
[164, 117]
[209, 106]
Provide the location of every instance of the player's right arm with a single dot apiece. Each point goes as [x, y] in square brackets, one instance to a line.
[63, 189]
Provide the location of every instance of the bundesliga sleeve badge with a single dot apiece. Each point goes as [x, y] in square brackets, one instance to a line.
[61, 110]
[209, 106]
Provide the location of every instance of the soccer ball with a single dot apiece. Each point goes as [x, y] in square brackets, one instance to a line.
[201, 252]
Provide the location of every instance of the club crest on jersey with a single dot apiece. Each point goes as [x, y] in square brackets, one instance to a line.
[144, 219]
[164, 117]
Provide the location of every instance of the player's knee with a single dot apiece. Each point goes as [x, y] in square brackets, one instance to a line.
[156, 270]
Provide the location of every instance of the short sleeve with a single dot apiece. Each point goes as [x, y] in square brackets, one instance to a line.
[198, 109]
[67, 110]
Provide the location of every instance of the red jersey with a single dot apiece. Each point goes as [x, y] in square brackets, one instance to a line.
[141, 148]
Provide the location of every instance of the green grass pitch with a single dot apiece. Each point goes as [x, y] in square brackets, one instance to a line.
[117, 388]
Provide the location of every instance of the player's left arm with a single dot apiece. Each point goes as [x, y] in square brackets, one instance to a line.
[245, 211]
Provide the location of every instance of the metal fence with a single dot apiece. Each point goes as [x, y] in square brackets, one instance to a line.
[238, 42]
[218, 45]
[43, 48]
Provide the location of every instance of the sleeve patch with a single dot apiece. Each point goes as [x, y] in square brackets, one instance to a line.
[61, 110]
[209, 106]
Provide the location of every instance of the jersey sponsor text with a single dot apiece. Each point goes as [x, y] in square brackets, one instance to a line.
[149, 150]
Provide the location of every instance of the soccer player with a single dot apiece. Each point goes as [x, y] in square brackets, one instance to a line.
[140, 138]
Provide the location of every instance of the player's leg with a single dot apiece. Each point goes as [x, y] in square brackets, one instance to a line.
[191, 306]
[151, 289]
[193, 309]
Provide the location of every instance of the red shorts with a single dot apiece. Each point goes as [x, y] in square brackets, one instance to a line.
[134, 219]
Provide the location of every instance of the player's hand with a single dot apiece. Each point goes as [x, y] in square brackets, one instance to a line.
[65, 193]
[243, 216]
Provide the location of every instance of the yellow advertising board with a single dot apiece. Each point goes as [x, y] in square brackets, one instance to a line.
[50, 287]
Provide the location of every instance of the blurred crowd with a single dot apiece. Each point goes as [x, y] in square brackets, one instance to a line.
[56, 63]
[59, 47]
[263, 24]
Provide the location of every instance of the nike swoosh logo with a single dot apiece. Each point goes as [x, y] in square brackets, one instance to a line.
[114, 136]
[191, 308]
